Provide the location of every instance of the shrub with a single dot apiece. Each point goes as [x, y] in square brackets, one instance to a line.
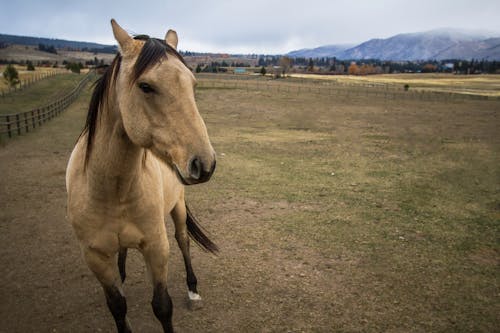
[11, 75]
[29, 66]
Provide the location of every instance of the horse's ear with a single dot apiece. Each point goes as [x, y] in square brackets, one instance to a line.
[121, 36]
[171, 38]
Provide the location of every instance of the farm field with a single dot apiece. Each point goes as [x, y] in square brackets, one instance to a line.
[24, 52]
[486, 85]
[333, 214]
[39, 94]
[25, 75]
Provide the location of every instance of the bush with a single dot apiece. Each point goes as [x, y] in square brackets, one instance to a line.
[74, 67]
[29, 66]
[11, 75]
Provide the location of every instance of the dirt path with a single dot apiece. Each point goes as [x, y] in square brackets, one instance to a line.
[255, 284]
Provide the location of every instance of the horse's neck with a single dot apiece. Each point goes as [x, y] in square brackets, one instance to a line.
[116, 161]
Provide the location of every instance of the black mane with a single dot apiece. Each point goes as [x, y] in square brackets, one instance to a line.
[153, 50]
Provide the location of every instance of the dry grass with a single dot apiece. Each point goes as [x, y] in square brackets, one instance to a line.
[25, 75]
[387, 211]
[487, 85]
[333, 214]
[40, 93]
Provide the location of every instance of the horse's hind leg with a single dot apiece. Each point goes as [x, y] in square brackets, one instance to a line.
[179, 216]
[122, 258]
[104, 268]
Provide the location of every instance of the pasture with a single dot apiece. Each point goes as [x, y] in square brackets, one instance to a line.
[485, 85]
[333, 213]
[27, 76]
[40, 93]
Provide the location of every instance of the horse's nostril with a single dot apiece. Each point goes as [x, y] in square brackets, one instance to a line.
[195, 168]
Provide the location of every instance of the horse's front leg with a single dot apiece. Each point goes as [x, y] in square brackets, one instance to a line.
[156, 253]
[104, 268]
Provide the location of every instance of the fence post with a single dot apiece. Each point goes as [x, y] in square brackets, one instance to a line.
[26, 122]
[33, 118]
[8, 126]
[18, 123]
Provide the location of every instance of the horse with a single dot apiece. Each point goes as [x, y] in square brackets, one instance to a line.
[143, 142]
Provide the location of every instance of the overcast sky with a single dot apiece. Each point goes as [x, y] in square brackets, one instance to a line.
[251, 26]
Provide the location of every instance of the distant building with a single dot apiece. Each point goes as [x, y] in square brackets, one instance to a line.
[240, 70]
[449, 66]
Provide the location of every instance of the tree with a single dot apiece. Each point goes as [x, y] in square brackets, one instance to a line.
[29, 66]
[198, 68]
[285, 64]
[429, 68]
[74, 67]
[263, 71]
[353, 69]
[310, 66]
[11, 75]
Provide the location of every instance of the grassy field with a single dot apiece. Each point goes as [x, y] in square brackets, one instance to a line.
[394, 204]
[23, 52]
[486, 85]
[333, 214]
[25, 75]
[39, 94]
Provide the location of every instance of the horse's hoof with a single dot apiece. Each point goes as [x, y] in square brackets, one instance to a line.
[194, 301]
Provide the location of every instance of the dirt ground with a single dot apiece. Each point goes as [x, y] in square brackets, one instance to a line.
[273, 274]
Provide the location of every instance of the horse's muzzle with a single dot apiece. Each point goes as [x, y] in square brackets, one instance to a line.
[200, 172]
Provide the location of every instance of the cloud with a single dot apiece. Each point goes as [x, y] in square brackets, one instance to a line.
[258, 26]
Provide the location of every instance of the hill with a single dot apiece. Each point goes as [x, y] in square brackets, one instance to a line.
[57, 43]
[322, 51]
[435, 44]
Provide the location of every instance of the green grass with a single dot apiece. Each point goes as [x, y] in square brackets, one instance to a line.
[39, 94]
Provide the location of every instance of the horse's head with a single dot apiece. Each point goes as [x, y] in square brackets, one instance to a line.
[155, 93]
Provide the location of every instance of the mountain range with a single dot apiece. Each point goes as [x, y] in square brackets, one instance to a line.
[436, 44]
[57, 43]
[430, 45]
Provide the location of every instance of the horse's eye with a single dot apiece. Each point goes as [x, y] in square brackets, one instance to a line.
[146, 88]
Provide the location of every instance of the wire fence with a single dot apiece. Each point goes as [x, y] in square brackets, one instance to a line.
[17, 123]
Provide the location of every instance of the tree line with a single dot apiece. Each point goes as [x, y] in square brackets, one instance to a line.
[333, 65]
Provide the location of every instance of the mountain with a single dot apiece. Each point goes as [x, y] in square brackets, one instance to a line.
[435, 44]
[322, 51]
[57, 43]
[488, 49]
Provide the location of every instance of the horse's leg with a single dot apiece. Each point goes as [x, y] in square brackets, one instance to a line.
[156, 254]
[122, 257]
[179, 216]
[104, 268]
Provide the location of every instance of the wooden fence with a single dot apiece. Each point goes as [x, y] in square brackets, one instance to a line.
[12, 124]
[333, 88]
[29, 81]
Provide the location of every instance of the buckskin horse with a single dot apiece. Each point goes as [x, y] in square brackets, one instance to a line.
[143, 140]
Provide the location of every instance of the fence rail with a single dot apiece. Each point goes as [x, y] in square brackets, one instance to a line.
[17, 123]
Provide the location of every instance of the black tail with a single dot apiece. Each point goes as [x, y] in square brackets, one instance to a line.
[195, 231]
